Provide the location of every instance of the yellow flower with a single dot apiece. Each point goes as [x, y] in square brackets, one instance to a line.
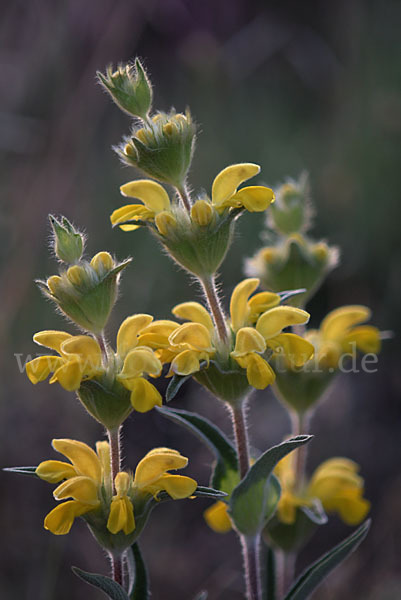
[256, 324]
[87, 480]
[80, 358]
[339, 334]
[156, 205]
[335, 483]
[82, 480]
[216, 516]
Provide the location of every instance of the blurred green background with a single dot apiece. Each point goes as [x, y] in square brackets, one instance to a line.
[288, 85]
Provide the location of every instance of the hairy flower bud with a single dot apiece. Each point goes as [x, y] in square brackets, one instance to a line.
[130, 88]
[68, 242]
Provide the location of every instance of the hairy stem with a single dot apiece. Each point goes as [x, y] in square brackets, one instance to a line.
[250, 550]
[212, 297]
[299, 426]
[184, 196]
[117, 569]
[115, 453]
[101, 340]
[241, 438]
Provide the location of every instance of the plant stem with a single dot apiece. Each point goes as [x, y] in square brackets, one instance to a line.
[250, 550]
[241, 437]
[117, 568]
[285, 568]
[212, 297]
[115, 453]
[299, 426]
[184, 197]
[101, 340]
[250, 546]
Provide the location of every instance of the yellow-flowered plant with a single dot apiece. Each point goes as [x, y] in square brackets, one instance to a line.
[340, 334]
[81, 359]
[87, 479]
[196, 235]
[336, 484]
[254, 334]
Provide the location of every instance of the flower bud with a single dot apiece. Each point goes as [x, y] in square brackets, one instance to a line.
[165, 222]
[292, 211]
[292, 264]
[130, 88]
[86, 292]
[162, 148]
[68, 242]
[202, 213]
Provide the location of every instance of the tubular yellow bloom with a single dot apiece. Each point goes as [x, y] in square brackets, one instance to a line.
[80, 358]
[156, 205]
[257, 323]
[87, 480]
[225, 194]
[152, 477]
[216, 516]
[335, 483]
[339, 334]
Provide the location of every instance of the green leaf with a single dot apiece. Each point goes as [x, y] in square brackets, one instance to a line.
[318, 571]
[200, 492]
[225, 470]
[22, 470]
[138, 574]
[255, 498]
[113, 589]
[201, 596]
[175, 384]
[315, 512]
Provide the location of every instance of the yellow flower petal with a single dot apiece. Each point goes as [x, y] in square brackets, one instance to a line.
[177, 486]
[217, 518]
[51, 339]
[61, 518]
[254, 198]
[273, 321]
[258, 372]
[87, 349]
[155, 464]
[366, 339]
[194, 335]
[69, 375]
[248, 340]
[227, 181]
[261, 302]
[40, 368]
[130, 212]
[54, 471]
[296, 349]
[121, 517]
[239, 309]
[83, 489]
[144, 395]
[186, 362]
[103, 452]
[84, 459]
[195, 312]
[152, 194]
[127, 337]
[122, 483]
[336, 324]
[138, 361]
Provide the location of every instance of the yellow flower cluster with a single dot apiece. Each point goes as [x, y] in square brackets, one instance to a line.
[80, 358]
[256, 327]
[157, 207]
[335, 483]
[340, 333]
[87, 480]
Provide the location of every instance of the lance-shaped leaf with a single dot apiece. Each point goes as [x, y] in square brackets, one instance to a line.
[290, 294]
[177, 381]
[22, 470]
[113, 589]
[138, 575]
[313, 576]
[225, 470]
[255, 498]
